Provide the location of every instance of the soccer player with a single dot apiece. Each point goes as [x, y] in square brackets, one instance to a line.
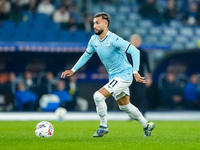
[111, 50]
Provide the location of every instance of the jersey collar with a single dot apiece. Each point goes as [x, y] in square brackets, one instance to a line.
[104, 37]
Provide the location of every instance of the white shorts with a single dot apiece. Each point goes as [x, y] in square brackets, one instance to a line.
[118, 87]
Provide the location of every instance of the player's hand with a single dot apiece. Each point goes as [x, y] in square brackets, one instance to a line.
[140, 79]
[67, 73]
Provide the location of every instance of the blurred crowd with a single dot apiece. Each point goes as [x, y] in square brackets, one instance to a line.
[60, 11]
[177, 90]
[162, 11]
[26, 93]
[75, 14]
[188, 11]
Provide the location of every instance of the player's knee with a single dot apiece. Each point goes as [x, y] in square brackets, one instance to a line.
[124, 108]
[98, 97]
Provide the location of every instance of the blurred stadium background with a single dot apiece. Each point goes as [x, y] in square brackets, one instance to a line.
[40, 39]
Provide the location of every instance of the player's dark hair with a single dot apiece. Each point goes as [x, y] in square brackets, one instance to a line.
[104, 16]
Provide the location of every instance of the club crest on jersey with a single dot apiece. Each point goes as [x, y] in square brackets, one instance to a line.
[107, 46]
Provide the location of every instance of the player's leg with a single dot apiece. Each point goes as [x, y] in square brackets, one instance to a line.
[134, 113]
[131, 110]
[113, 87]
[101, 108]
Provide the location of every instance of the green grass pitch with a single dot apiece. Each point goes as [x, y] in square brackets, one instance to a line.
[123, 135]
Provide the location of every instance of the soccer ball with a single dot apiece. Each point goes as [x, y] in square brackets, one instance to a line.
[61, 113]
[44, 129]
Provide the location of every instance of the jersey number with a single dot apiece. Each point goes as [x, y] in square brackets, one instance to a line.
[113, 83]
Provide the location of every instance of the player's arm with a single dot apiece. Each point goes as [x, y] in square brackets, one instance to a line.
[135, 54]
[82, 60]
[123, 45]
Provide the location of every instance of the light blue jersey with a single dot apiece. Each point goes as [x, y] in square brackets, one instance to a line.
[111, 51]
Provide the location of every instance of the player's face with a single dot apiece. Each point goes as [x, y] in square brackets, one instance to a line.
[99, 25]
